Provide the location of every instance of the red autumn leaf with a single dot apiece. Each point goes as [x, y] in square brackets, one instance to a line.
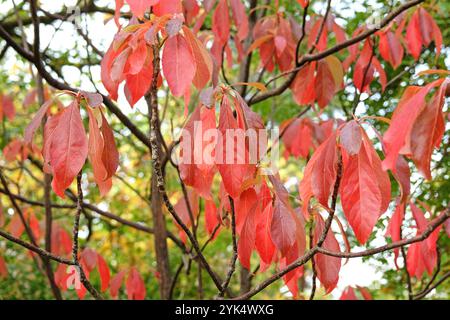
[243, 206]
[68, 149]
[95, 151]
[303, 3]
[422, 256]
[139, 7]
[240, 18]
[3, 268]
[202, 59]
[364, 70]
[427, 131]
[16, 227]
[7, 107]
[365, 190]
[61, 241]
[138, 57]
[116, 283]
[327, 267]
[351, 137]
[421, 30]
[397, 138]
[303, 86]
[324, 84]
[211, 217]
[138, 84]
[297, 137]
[231, 164]
[348, 294]
[402, 175]
[283, 226]
[168, 7]
[178, 64]
[197, 155]
[320, 174]
[221, 22]
[107, 62]
[14, 150]
[104, 272]
[135, 286]
[246, 242]
[394, 228]
[49, 129]
[263, 239]
[110, 155]
[391, 48]
[89, 258]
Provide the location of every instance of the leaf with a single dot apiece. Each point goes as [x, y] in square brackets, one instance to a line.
[202, 59]
[168, 7]
[89, 258]
[211, 217]
[243, 206]
[138, 57]
[107, 62]
[263, 239]
[95, 152]
[231, 162]
[320, 174]
[259, 41]
[3, 268]
[135, 286]
[247, 237]
[364, 70]
[49, 129]
[139, 7]
[110, 155]
[103, 269]
[138, 84]
[327, 267]
[421, 30]
[348, 294]
[407, 111]
[391, 48]
[283, 227]
[221, 22]
[428, 130]
[365, 190]
[68, 149]
[116, 283]
[394, 228]
[197, 158]
[173, 26]
[7, 107]
[402, 175]
[178, 65]
[297, 137]
[422, 256]
[93, 99]
[351, 138]
[303, 85]
[240, 18]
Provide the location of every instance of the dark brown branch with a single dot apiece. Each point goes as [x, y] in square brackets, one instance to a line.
[158, 169]
[437, 284]
[76, 227]
[232, 266]
[35, 249]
